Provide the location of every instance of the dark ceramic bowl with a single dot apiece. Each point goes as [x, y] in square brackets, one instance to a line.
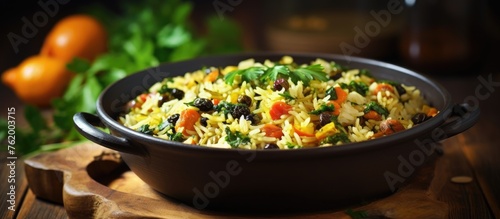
[274, 180]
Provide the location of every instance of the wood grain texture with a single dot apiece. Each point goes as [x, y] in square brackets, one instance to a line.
[465, 200]
[481, 147]
[20, 184]
[480, 144]
[40, 208]
[97, 184]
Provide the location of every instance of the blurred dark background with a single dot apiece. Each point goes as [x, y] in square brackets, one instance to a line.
[439, 38]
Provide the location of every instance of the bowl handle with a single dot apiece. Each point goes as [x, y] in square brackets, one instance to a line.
[86, 124]
[462, 117]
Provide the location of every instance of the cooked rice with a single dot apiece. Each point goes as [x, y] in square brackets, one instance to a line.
[149, 113]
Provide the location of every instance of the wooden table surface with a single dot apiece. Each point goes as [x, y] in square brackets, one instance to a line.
[474, 153]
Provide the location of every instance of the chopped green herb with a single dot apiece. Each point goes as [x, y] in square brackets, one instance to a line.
[249, 75]
[236, 139]
[258, 104]
[335, 120]
[344, 86]
[359, 87]
[290, 145]
[287, 95]
[333, 94]
[377, 108]
[165, 89]
[165, 124]
[175, 137]
[323, 108]
[272, 73]
[145, 129]
[226, 107]
[252, 74]
[334, 139]
[171, 134]
[229, 77]
[189, 103]
[306, 74]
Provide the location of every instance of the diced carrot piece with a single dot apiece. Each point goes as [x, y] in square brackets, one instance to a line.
[383, 88]
[216, 101]
[336, 107]
[378, 134]
[272, 130]
[432, 112]
[372, 114]
[341, 95]
[278, 109]
[187, 119]
[391, 126]
[139, 101]
[143, 97]
[212, 76]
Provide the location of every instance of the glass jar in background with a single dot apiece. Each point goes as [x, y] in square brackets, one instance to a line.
[442, 37]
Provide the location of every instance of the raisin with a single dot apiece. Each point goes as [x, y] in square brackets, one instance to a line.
[177, 93]
[281, 83]
[419, 118]
[271, 146]
[203, 121]
[240, 110]
[324, 118]
[255, 119]
[173, 118]
[203, 104]
[244, 99]
[401, 90]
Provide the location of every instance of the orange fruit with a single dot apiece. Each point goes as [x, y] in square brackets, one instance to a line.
[38, 79]
[75, 36]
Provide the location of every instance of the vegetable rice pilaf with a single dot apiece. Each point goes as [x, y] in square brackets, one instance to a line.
[276, 105]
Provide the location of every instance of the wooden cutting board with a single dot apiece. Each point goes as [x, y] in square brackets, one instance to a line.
[93, 182]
